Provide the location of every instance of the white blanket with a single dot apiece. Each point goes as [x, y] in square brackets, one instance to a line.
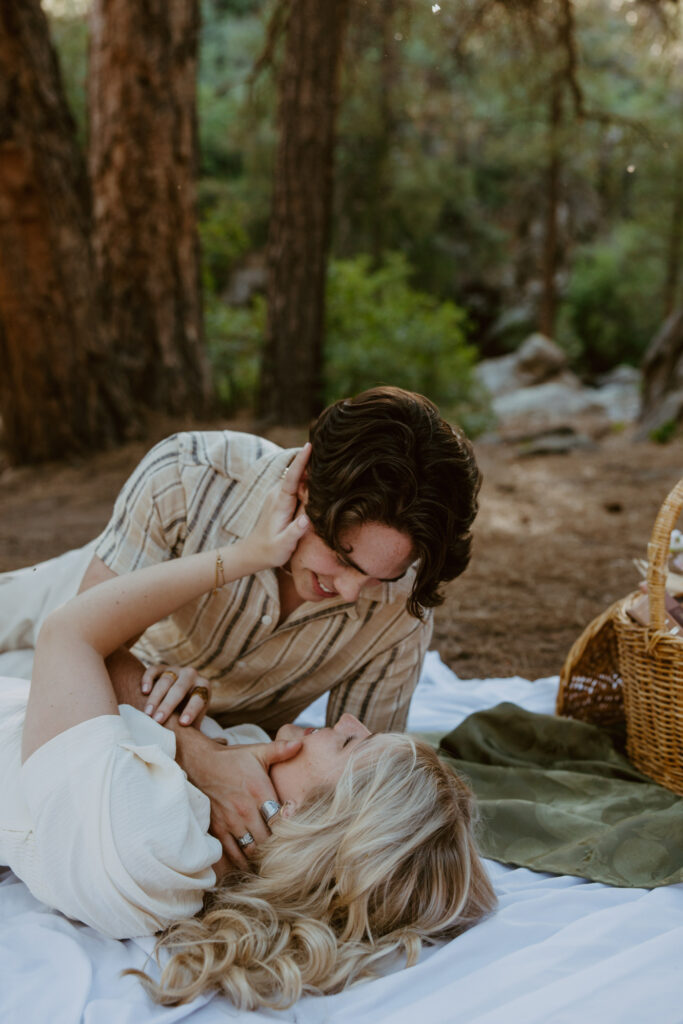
[558, 950]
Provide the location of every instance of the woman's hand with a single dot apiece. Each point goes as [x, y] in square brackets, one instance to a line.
[277, 532]
[168, 686]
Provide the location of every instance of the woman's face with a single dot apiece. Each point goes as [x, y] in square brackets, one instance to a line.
[321, 759]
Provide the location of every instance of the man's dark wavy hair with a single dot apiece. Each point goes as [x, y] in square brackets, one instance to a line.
[386, 456]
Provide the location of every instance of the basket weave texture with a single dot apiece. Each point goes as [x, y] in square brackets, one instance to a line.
[620, 670]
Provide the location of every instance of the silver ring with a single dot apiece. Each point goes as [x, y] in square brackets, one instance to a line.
[268, 809]
[284, 472]
[246, 840]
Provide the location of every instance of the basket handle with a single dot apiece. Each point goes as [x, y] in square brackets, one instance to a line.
[658, 554]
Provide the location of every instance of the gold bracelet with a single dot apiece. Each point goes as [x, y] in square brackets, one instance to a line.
[220, 576]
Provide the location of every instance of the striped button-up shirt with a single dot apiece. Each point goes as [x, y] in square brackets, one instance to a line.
[198, 491]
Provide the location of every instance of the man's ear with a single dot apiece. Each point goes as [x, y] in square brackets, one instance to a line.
[302, 491]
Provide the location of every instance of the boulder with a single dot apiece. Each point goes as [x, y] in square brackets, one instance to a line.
[619, 394]
[556, 442]
[538, 359]
[549, 405]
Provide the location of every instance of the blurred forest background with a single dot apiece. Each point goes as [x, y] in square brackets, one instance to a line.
[380, 190]
[238, 210]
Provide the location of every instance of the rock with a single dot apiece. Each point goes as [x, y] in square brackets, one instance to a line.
[498, 375]
[623, 375]
[551, 405]
[538, 359]
[557, 442]
[620, 396]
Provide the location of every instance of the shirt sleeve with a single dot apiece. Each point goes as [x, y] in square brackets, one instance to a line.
[379, 693]
[121, 836]
[149, 521]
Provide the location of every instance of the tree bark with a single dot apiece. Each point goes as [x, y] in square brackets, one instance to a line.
[299, 234]
[57, 391]
[143, 161]
[673, 252]
[662, 396]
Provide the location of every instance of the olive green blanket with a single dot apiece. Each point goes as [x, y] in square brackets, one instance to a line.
[556, 795]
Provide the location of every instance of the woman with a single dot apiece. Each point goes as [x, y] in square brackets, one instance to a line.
[371, 855]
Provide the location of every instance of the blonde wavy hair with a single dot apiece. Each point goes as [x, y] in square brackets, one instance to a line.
[362, 873]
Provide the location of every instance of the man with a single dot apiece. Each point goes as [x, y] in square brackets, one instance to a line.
[390, 492]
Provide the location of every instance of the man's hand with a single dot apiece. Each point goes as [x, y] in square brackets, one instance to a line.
[237, 783]
[167, 686]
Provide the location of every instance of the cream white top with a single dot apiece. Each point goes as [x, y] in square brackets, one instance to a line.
[102, 824]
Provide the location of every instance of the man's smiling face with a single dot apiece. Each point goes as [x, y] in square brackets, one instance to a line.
[374, 553]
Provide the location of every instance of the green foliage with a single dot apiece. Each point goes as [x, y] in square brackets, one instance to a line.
[442, 154]
[223, 235]
[381, 330]
[608, 315]
[664, 433]
[236, 118]
[234, 340]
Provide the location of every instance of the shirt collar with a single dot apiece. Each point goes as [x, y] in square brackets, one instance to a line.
[252, 488]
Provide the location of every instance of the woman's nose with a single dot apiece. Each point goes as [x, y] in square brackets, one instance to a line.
[349, 725]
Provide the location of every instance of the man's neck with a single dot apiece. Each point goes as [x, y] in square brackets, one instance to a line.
[289, 598]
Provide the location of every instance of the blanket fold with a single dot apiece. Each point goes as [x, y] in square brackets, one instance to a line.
[556, 795]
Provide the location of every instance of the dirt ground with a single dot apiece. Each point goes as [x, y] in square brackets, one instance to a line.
[554, 541]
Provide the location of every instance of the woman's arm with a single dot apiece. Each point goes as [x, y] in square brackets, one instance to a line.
[70, 683]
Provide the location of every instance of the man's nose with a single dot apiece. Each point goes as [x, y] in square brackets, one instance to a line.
[349, 584]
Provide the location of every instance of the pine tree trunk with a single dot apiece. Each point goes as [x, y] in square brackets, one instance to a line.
[143, 162]
[56, 389]
[662, 392]
[291, 383]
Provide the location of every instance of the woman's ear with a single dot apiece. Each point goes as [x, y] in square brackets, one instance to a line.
[288, 809]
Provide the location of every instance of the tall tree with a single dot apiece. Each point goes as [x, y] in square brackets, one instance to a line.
[298, 241]
[675, 235]
[662, 397]
[57, 390]
[143, 160]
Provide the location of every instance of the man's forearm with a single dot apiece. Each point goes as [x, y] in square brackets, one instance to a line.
[126, 672]
[192, 746]
[193, 749]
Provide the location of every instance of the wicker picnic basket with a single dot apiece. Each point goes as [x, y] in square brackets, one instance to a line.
[620, 670]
